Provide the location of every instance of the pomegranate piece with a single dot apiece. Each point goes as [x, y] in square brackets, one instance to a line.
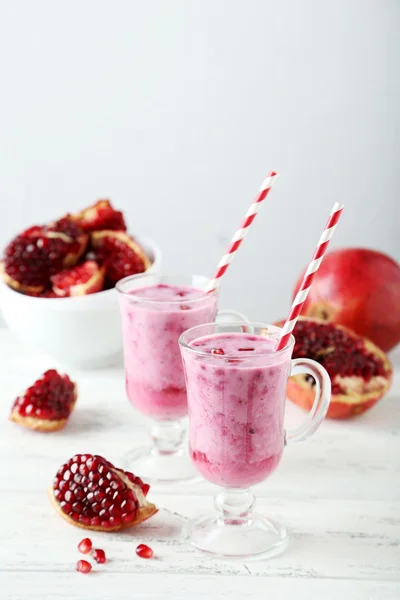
[83, 566]
[47, 404]
[119, 253]
[99, 556]
[85, 546]
[82, 280]
[218, 351]
[360, 372]
[33, 256]
[100, 216]
[89, 492]
[144, 551]
[69, 228]
[359, 289]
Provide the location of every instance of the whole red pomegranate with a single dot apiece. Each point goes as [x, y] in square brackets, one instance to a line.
[360, 289]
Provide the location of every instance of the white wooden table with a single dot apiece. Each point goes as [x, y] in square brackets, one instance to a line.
[338, 494]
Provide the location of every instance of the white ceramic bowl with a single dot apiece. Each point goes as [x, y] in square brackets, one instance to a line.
[84, 331]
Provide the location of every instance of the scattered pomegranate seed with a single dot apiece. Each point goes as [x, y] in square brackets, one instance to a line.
[217, 351]
[83, 566]
[245, 349]
[144, 551]
[85, 546]
[99, 555]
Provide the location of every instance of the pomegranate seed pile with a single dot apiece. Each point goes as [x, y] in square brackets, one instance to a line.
[90, 491]
[340, 352]
[50, 398]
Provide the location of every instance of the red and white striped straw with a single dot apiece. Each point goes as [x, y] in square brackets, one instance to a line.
[241, 232]
[309, 275]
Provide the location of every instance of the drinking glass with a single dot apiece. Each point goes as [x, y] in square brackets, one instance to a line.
[236, 387]
[155, 310]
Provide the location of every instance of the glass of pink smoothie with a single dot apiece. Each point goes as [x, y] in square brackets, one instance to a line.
[155, 311]
[236, 387]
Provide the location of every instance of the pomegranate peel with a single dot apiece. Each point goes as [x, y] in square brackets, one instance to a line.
[90, 493]
[84, 279]
[47, 404]
[360, 372]
[120, 254]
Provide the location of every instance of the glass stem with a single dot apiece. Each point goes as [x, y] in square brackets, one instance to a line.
[235, 506]
[167, 437]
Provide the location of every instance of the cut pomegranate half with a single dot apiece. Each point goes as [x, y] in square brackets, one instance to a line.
[33, 256]
[360, 372]
[89, 492]
[82, 280]
[47, 404]
[120, 254]
[100, 216]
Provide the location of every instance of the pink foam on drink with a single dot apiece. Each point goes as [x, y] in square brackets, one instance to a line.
[236, 394]
[153, 318]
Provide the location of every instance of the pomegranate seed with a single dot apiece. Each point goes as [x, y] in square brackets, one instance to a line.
[85, 546]
[217, 351]
[99, 555]
[83, 566]
[144, 551]
[245, 349]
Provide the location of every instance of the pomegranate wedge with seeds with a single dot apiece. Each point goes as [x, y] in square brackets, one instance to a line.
[87, 278]
[39, 252]
[360, 372]
[120, 254]
[47, 404]
[100, 216]
[89, 492]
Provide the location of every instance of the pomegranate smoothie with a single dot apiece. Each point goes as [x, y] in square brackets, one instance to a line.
[236, 394]
[153, 318]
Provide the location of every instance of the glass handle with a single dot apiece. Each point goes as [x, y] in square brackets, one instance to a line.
[233, 315]
[321, 400]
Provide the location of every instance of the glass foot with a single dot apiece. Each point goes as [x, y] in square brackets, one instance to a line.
[159, 468]
[257, 538]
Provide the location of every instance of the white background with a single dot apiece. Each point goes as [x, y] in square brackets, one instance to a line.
[177, 109]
